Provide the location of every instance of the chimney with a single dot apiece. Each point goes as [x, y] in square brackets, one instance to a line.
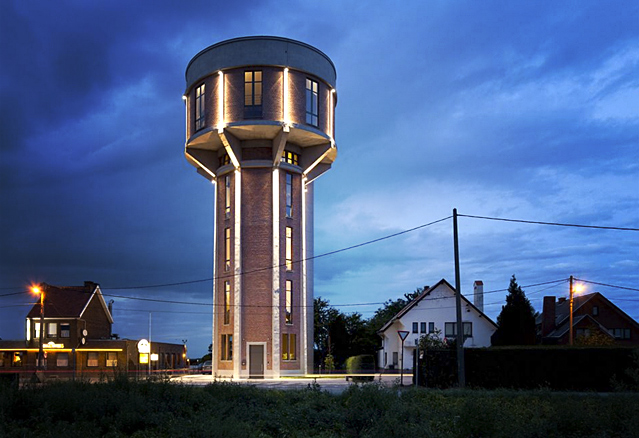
[90, 286]
[478, 288]
[548, 316]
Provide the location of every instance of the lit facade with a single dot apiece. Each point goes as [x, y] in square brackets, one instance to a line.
[260, 118]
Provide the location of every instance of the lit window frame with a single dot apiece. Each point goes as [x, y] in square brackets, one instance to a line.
[62, 360]
[226, 347]
[200, 108]
[111, 359]
[52, 330]
[253, 94]
[289, 195]
[227, 303]
[290, 157]
[65, 330]
[227, 195]
[312, 102]
[289, 346]
[93, 359]
[288, 318]
[289, 249]
[227, 249]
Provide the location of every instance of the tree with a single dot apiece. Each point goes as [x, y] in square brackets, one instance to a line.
[517, 319]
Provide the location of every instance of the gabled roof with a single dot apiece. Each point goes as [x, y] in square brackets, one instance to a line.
[423, 295]
[565, 327]
[68, 301]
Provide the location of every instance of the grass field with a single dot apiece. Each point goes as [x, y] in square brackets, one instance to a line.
[121, 408]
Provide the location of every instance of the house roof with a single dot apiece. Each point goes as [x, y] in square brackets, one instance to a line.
[423, 295]
[565, 327]
[68, 301]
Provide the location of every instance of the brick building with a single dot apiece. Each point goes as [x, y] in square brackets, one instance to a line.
[260, 126]
[592, 313]
[77, 340]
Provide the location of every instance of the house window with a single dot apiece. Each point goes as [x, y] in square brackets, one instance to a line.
[92, 359]
[227, 249]
[112, 359]
[224, 160]
[621, 333]
[289, 344]
[227, 303]
[395, 358]
[37, 330]
[2, 354]
[227, 196]
[431, 327]
[289, 302]
[52, 330]
[65, 330]
[582, 333]
[312, 89]
[451, 329]
[289, 195]
[252, 94]
[62, 360]
[422, 327]
[199, 107]
[415, 325]
[289, 248]
[226, 347]
[595, 310]
[290, 158]
[17, 359]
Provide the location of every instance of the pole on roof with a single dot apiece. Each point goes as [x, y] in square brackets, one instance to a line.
[461, 368]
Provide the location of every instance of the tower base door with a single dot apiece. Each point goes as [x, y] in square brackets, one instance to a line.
[256, 361]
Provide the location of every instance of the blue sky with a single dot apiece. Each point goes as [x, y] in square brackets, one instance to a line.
[524, 110]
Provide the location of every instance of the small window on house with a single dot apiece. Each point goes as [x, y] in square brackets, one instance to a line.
[92, 359]
[224, 160]
[595, 310]
[450, 329]
[290, 158]
[227, 303]
[65, 330]
[289, 346]
[415, 325]
[252, 94]
[200, 113]
[312, 102]
[62, 360]
[289, 195]
[289, 248]
[227, 249]
[112, 359]
[431, 327]
[226, 347]
[2, 353]
[422, 327]
[36, 330]
[17, 359]
[289, 302]
[227, 196]
[52, 330]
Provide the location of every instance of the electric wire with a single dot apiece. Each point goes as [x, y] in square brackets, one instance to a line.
[598, 227]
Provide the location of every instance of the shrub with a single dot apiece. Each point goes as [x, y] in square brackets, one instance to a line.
[362, 364]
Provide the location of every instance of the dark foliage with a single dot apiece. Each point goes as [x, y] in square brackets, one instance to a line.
[517, 319]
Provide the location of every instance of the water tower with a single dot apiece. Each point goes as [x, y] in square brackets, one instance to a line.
[260, 124]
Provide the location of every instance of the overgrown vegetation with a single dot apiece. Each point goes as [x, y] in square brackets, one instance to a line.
[121, 408]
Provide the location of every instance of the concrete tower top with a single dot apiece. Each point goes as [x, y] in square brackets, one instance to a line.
[260, 50]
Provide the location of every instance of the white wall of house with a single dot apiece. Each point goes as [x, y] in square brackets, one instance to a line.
[433, 310]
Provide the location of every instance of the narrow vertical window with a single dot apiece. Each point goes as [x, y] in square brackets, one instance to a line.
[289, 346]
[200, 113]
[422, 327]
[289, 302]
[289, 195]
[431, 327]
[227, 196]
[226, 347]
[312, 105]
[227, 249]
[62, 360]
[227, 303]
[415, 325]
[92, 359]
[37, 330]
[289, 248]
[52, 330]
[252, 94]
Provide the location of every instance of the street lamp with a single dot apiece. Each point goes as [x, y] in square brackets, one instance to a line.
[38, 291]
[574, 288]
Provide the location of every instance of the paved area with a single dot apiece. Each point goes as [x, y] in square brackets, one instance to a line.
[333, 384]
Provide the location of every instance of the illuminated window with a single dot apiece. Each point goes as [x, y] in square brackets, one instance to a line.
[450, 329]
[52, 330]
[17, 359]
[224, 160]
[227, 195]
[415, 325]
[200, 112]
[2, 353]
[227, 249]
[92, 359]
[62, 360]
[252, 94]
[65, 330]
[312, 89]
[226, 347]
[227, 303]
[144, 358]
[289, 248]
[289, 345]
[289, 302]
[422, 327]
[289, 195]
[431, 327]
[37, 330]
[290, 158]
[112, 359]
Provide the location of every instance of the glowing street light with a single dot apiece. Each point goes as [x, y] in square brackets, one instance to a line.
[38, 291]
[574, 288]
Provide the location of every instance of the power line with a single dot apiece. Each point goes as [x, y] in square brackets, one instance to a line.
[598, 227]
[607, 285]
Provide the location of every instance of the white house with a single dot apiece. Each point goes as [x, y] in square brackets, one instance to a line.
[433, 310]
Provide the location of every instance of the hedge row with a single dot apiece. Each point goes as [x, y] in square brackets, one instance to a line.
[559, 368]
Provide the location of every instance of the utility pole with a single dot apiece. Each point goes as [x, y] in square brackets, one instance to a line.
[571, 302]
[461, 368]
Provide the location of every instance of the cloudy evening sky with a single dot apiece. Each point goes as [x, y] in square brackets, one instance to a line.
[512, 109]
